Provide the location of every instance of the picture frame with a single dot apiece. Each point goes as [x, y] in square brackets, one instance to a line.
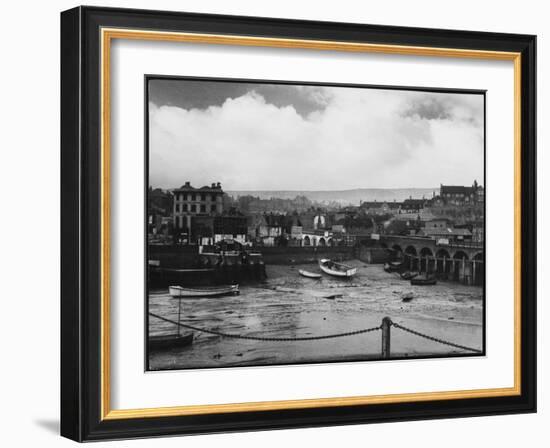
[87, 35]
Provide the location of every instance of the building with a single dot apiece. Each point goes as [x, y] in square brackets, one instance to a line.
[446, 235]
[208, 230]
[380, 208]
[438, 223]
[159, 209]
[460, 195]
[413, 205]
[190, 202]
[266, 229]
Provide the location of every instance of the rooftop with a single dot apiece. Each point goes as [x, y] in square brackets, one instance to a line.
[187, 187]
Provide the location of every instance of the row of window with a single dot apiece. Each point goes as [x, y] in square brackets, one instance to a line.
[196, 197]
[197, 208]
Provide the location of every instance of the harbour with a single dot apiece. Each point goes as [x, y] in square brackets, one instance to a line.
[288, 305]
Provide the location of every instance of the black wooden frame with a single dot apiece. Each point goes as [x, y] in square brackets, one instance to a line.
[81, 224]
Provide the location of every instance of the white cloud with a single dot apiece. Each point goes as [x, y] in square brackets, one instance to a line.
[361, 138]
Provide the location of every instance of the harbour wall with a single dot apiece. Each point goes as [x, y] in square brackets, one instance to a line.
[188, 256]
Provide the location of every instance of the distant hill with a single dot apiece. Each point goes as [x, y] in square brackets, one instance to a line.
[353, 197]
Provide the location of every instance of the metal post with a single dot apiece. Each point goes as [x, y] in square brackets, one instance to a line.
[386, 343]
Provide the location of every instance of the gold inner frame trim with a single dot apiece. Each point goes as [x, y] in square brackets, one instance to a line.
[107, 35]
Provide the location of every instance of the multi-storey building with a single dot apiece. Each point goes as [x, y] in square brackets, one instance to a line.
[190, 202]
[461, 195]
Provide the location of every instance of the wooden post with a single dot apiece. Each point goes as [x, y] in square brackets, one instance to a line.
[179, 314]
[386, 339]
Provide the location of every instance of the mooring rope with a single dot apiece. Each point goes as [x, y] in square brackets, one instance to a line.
[270, 339]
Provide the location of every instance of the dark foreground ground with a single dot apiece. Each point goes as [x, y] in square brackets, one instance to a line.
[288, 305]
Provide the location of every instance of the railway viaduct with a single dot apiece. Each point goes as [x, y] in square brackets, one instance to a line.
[459, 261]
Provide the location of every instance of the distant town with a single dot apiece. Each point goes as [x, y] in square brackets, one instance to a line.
[206, 215]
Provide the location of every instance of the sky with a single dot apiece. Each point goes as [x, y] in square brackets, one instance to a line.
[251, 136]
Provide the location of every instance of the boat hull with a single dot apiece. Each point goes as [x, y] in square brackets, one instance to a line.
[308, 274]
[423, 281]
[337, 269]
[178, 291]
[170, 341]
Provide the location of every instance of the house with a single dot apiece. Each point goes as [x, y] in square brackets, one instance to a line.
[208, 230]
[190, 202]
[461, 195]
[413, 205]
[449, 234]
[381, 208]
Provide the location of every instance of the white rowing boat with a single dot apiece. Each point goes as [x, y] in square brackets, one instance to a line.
[309, 274]
[336, 269]
[210, 291]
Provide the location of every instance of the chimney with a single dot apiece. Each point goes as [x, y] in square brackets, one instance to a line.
[187, 184]
[213, 185]
[218, 185]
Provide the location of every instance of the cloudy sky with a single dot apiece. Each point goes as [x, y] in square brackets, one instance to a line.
[285, 137]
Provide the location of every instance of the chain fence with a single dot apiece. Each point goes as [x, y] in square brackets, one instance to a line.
[316, 338]
[269, 339]
[434, 339]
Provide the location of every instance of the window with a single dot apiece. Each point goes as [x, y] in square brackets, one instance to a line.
[213, 208]
[203, 208]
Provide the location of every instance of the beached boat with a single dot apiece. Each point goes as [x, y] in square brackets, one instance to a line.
[309, 274]
[408, 275]
[423, 281]
[336, 269]
[168, 341]
[207, 291]
[393, 266]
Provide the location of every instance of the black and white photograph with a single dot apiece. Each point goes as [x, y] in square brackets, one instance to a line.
[296, 223]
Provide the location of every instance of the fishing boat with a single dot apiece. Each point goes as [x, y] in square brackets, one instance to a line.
[309, 274]
[208, 291]
[423, 281]
[408, 275]
[336, 269]
[168, 341]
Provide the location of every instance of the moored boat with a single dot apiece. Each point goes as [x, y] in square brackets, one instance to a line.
[210, 291]
[308, 274]
[408, 275]
[336, 269]
[393, 266]
[423, 281]
[168, 341]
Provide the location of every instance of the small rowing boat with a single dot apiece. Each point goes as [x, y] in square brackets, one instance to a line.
[169, 341]
[336, 269]
[309, 274]
[423, 281]
[209, 291]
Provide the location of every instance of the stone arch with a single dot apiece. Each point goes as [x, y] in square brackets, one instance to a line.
[397, 248]
[321, 242]
[307, 241]
[330, 242]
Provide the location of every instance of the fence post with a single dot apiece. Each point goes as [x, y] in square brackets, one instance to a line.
[386, 340]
